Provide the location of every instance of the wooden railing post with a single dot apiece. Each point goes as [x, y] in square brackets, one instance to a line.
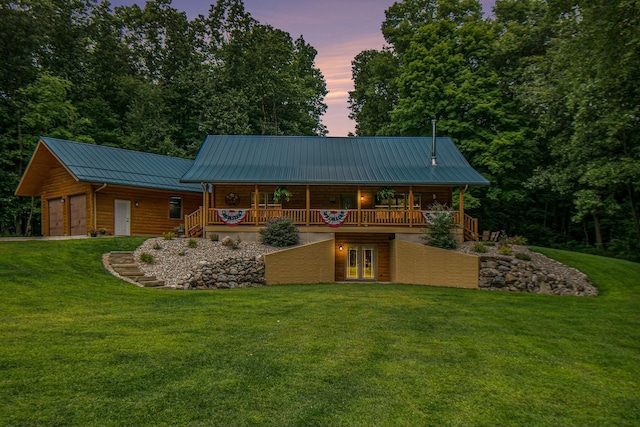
[411, 206]
[256, 202]
[308, 212]
[359, 204]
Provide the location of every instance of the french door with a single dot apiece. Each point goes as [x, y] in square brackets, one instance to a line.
[361, 262]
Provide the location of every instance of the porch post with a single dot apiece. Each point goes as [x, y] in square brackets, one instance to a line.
[256, 203]
[308, 205]
[410, 206]
[205, 208]
[359, 207]
[461, 203]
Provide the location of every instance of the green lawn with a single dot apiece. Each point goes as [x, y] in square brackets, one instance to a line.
[80, 347]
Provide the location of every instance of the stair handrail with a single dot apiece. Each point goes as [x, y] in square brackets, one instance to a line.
[193, 222]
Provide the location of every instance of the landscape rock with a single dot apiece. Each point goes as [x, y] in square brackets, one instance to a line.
[541, 275]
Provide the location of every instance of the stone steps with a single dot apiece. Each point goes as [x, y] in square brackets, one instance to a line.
[124, 265]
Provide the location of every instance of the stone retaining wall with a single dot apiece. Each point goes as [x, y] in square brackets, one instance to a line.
[506, 273]
[226, 274]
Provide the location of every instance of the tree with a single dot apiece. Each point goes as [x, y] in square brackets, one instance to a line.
[375, 92]
[257, 79]
[587, 101]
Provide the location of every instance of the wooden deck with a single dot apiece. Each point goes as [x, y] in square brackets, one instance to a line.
[198, 220]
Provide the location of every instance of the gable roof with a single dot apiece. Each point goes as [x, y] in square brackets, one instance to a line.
[330, 160]
[108, 165]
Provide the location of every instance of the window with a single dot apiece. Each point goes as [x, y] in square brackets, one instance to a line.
[348, 200]
[175, 207]
[265, 201]
[399, 201]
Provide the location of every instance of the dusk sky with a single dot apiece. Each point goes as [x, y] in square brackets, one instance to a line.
[338, 29]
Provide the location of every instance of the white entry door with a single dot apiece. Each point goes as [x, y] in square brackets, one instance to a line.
[122, 217]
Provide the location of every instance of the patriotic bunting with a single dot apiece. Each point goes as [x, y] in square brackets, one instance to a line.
[333, 218]
[232, 217]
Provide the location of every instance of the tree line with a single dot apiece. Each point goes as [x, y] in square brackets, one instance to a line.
[146, 79]
[542, 98]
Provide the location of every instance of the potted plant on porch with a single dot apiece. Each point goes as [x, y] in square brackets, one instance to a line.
[281, 193]
[385, 193]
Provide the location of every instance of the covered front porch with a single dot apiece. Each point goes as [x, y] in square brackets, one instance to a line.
[325, 208]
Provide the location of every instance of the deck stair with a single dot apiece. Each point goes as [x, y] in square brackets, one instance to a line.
[124, 265]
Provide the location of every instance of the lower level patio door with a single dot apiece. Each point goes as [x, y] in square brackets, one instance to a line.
[361, 262]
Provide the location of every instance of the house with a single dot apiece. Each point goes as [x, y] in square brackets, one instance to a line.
[84, 187]
[360, 204]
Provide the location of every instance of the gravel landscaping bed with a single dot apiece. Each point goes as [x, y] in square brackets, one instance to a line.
[174, 260]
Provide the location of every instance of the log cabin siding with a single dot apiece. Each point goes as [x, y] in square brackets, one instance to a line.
[325, 196]
[151, 216]
[59, 184]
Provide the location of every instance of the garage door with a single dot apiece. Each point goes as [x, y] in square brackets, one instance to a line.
[78, 218]
[55, 217]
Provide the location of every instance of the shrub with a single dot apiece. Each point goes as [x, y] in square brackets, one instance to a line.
[157, 246]
[438, 231]
[147, 258]
[168, 236]
[489, 243]
[518, 240]
[479, 247]
[181, 253]
[279, 232]
[192, 243]
[214, 237]
[523, 257]
[504, 250]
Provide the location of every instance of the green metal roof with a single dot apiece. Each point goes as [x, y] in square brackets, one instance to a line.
[330, 160]
[116, 166]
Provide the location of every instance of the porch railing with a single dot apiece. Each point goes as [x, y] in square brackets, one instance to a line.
[366, 217]
[193, 223]
[362, 218]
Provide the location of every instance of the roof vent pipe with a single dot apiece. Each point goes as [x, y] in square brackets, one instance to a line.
[434, 159]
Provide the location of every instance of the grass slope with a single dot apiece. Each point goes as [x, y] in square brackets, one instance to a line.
[79, 347]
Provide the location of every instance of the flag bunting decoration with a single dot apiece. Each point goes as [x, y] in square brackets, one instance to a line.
[333, 218]
[232, 217]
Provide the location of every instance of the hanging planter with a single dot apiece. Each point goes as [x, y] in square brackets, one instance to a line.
[385, 193]
[281, 193]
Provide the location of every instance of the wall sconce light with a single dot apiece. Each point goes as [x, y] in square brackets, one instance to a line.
[340, 247]
[136, 204]
[61, 199]
[434, 197]
[361, 198]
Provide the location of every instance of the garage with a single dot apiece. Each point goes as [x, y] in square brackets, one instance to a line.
[55, 217]
[78, 215]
